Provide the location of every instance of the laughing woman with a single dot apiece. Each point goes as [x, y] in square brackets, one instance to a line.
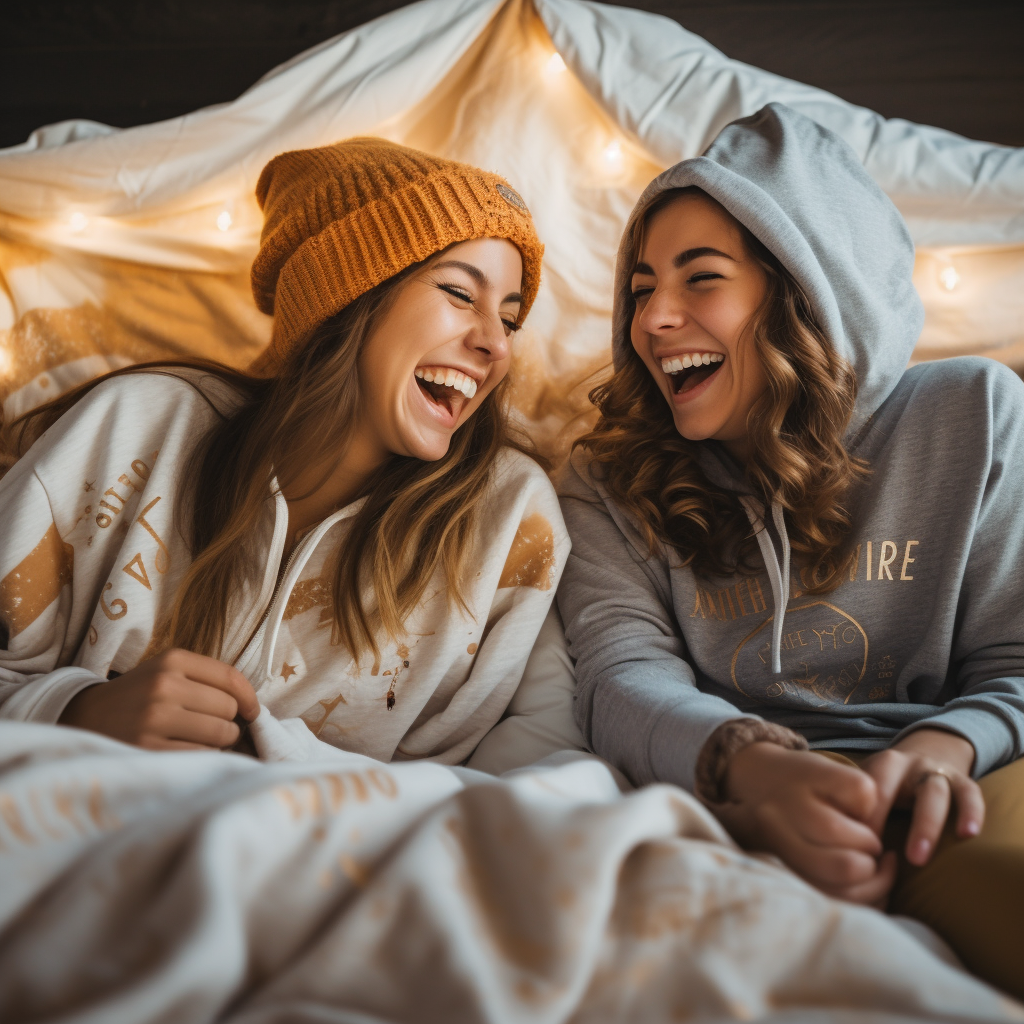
[761, 406]
[352, 536]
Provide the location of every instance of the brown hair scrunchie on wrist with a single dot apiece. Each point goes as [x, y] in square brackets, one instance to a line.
[729, 738]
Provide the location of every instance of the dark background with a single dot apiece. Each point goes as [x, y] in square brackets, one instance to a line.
[124, 62]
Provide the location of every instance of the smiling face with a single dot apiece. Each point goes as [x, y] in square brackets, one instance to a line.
[441, 349]
[696, 289]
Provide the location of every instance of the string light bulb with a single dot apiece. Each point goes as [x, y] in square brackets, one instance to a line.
[612, 157]
[224, 220]
[555, 65]
[78, 221]
[948, 277]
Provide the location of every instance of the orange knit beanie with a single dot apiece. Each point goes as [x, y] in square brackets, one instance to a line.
[341, 219]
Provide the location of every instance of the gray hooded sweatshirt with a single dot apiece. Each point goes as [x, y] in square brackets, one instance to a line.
[928, 628]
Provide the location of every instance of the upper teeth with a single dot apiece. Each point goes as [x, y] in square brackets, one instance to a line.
[449, 377]
[676, 363]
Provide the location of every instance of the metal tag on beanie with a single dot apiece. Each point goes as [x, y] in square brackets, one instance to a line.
[511, 196]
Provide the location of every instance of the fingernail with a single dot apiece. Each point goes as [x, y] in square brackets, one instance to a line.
[973, 828]
[921, 849]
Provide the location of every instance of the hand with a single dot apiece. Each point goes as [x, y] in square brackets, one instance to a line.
[927, 770]
[176, 701]
[813, 813]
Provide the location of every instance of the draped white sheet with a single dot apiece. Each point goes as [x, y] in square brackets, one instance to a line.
[117, 246]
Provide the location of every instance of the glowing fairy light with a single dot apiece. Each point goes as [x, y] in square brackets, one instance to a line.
[6, 363]
[224, 220]
[612, 157]
[555, 65]
[948, 277]
[78, 221]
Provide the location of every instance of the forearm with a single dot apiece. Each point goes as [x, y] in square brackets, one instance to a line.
[648, 719]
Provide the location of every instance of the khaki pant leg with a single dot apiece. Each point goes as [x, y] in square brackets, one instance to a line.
[972, 890]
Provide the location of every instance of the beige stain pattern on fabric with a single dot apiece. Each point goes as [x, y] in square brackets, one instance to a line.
[36, 582]
[531, 559]
[495, 904]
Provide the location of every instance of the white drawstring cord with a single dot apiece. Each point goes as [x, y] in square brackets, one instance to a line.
[778, 575]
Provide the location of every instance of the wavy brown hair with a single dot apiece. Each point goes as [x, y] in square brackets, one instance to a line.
[795, 430]
[417, 518]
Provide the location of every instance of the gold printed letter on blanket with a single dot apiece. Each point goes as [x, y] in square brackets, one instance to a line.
[36, 582]
[531, 558]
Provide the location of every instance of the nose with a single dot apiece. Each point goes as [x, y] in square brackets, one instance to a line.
[663, 312]
[490, 340]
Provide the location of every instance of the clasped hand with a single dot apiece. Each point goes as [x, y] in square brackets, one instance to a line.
[824, 819]
[176, 701]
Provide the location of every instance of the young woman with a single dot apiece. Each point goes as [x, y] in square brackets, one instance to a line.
[353, 536]
[783, 538]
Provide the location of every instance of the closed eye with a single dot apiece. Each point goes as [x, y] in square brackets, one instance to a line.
[457, 291]
[640, 292]
[706, 275]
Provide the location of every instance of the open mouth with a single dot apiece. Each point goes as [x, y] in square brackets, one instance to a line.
[445, 386]
[691, 370]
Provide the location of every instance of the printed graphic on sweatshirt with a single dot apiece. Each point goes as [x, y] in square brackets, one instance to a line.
[531, 559]
[824, 657]
[873, 561]
[35, 582]
[826, 653]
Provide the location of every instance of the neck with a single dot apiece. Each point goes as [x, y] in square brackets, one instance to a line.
[739, 449]
[312, 496]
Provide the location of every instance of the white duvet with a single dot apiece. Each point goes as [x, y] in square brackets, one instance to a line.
[186, 888]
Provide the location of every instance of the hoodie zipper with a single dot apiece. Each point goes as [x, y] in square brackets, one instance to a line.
[261, 626]
[305, 547]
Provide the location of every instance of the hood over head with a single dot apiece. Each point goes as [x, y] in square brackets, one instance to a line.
[803, 192]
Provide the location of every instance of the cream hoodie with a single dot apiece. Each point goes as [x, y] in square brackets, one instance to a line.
[90, 560]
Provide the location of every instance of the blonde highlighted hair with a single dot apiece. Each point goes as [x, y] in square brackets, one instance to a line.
[795, 429]
[417, 518]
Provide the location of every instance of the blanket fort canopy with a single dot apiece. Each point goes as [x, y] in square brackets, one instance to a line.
[118, 246]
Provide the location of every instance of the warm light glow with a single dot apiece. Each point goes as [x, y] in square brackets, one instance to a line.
[612, 157]
[948, 277]
[554, 66]
[224, 220]
[5, 362]
[78, 221]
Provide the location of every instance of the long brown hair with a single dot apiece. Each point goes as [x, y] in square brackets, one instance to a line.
[795, 429]
[417, 518]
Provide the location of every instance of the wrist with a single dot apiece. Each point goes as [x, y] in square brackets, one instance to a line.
[746, 769]
[73, 710]
[713, 774]
[939, 745]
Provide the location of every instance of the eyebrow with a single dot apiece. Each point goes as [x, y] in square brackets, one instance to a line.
[480, 277]
[686, 256]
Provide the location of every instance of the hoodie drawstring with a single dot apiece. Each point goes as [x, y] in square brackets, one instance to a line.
[778, 575]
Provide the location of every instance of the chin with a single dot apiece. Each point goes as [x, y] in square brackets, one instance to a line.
[692, 431]
[429, 450]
